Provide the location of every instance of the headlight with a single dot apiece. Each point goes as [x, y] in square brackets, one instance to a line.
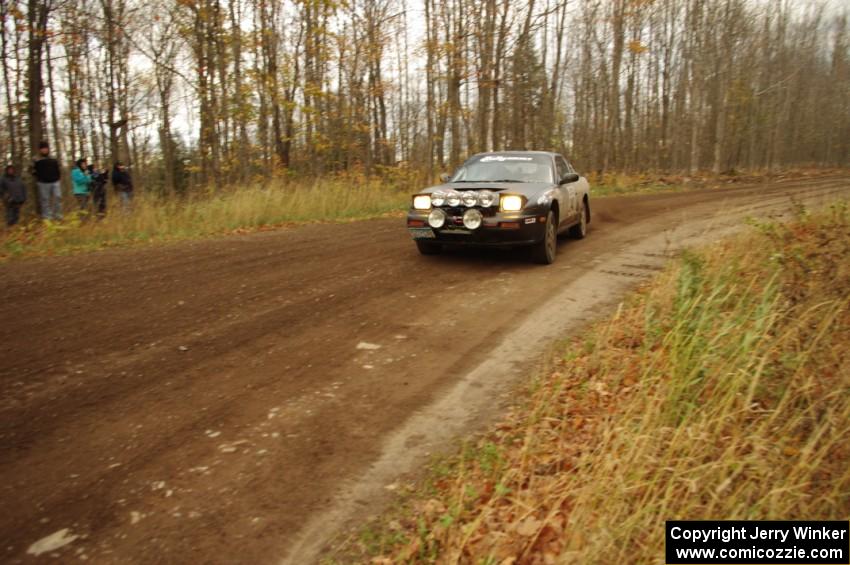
[422, 201]
[469, 198]
[438, 198]
[436, 218]
[487, 198]
[452, 198]
[511, 203]
[545, 198]
[472, 219]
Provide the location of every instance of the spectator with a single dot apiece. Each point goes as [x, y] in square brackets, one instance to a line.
[123, 184]
[99, 178]
[82, 182]
[47, 176]
[14, 194]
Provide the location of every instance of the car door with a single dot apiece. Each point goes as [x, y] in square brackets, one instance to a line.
[582, 185]
[568, 190]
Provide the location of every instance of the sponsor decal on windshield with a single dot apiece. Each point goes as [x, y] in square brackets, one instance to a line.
[501, 158]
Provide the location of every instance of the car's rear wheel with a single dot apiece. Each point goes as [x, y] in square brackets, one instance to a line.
[426, 247]
[579, 231]
[544, 251]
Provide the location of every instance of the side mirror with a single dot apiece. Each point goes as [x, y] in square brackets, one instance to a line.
[444, 178]
[568, 178]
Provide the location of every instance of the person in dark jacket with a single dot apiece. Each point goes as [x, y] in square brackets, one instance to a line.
[123, 184]
[47, 176]
[99, 178]
[14, 194]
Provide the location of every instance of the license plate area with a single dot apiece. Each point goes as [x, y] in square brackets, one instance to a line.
[421, 233]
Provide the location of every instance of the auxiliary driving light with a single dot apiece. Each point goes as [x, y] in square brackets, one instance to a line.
[472, 219]
[422, 201]
[487, 198]
[511, 203]
[437, 218]
[469, 198]
[453, 198]
[438, 197]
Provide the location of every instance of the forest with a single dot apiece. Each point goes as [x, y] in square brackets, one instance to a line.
[205, 94]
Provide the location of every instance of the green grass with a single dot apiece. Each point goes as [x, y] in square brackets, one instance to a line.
[719, 391]
[232, 211]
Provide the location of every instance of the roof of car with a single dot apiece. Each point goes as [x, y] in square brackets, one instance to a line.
[515, 152]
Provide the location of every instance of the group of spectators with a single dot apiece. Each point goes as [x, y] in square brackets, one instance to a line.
[89, 185]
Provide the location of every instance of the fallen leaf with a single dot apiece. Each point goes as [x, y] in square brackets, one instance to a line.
[52, 542]
[528, 527]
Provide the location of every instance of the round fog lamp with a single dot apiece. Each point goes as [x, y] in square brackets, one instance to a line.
[472, 219]
[436, 218]
[487, 198]
[438, 198]
[453, 198]
[469, 198]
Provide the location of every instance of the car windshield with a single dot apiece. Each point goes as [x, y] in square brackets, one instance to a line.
[505, 168]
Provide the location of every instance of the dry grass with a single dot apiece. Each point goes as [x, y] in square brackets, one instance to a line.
[720, 391]
[344, 197]
[235, 210]
[617, 183]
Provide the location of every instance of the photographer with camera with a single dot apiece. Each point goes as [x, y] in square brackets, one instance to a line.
[123, 184]
[99, 177]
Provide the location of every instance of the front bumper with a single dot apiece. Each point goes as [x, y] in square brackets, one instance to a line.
[499, 229]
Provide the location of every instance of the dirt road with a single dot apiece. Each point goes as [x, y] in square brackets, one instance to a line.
[235, 400]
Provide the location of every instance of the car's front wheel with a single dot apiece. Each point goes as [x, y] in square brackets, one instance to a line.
[426, 247]
[544, 251]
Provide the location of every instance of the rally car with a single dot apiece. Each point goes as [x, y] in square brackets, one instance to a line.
[503, 199]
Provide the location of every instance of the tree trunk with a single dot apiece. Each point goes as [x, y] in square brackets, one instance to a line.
[37, 14]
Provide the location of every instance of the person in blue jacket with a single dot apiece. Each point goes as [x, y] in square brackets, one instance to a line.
[82, 183]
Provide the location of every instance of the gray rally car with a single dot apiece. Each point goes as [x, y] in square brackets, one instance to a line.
[504, 199]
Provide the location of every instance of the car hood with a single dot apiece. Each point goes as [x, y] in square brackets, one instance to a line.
[525, 188]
